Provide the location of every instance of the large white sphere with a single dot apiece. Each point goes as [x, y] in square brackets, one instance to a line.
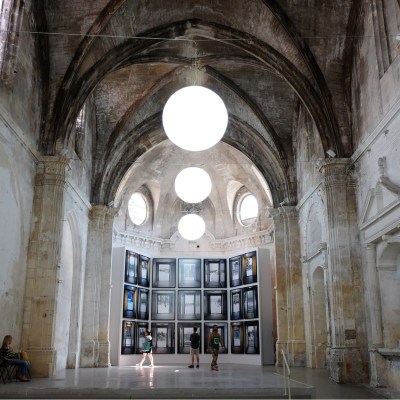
[193, 185]
[195, 118]
[191, 227]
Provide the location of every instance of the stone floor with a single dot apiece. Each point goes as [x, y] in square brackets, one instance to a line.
[180, 382]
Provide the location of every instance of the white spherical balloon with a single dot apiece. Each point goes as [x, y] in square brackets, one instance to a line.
[191, 227]
[193, 185]
[195, 118]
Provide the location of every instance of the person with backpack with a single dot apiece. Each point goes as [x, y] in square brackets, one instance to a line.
[214, 343]
[147, 349]
[194, 347]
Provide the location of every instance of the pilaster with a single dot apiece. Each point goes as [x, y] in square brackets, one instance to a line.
[373, 311]
[95, 349]
[40, 303]
[289, 287]
[344, 353]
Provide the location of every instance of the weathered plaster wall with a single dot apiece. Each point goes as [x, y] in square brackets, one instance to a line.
[21, 94]
[17, 169]
[374, 93]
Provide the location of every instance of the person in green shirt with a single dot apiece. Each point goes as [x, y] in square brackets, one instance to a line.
[214, 343]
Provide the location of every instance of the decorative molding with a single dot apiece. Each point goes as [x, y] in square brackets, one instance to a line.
[237, 242]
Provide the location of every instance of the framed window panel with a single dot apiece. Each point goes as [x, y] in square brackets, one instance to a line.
[215, 304]
[251, 337]
[237, 338]
[141, 328]
[236, 304]
[144, 271]
[215, 273]
[128, 337]
[143, 304]
[131, 267]
[189, 272]
[129, 310]
[163, 337]
[164, 272]
[189, 304]
[235, 271]
[184, 332]
[250, 303]
[163, 304]
[249, 264]
[222, 330]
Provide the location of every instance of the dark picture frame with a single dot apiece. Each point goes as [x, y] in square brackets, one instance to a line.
[130, 302]
[163, 304]
[250, 302]
[235, 271]
[252, 340]
[249, 265]
[189, 304]
[222, 330]
[128, 339]
[164, 272]
[189, 272]
[163, 337]
[142, 327]
[143, 304]
[184, 332]
[144, 271]
[131, 266]
[215, 273]
[236, 304]
[237, 338]
[215, 304]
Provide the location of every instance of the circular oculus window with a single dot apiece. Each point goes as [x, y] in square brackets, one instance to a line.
[138, 209]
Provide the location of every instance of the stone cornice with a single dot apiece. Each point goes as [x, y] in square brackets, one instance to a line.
[237, 242]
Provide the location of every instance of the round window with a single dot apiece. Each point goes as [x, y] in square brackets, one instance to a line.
[137, 209]
[248, 209]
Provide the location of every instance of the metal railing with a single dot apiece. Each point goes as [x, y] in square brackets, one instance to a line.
[286, 376]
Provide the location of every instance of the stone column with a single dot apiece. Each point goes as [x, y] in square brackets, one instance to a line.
[373, 310]
[40, 305]
[344, 291]
[95, 349]
[289, 287]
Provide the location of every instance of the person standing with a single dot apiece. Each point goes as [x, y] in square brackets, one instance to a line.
[214, 343]
[147, 349]
[194, 348]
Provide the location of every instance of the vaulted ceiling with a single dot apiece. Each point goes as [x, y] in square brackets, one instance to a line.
[265, 58]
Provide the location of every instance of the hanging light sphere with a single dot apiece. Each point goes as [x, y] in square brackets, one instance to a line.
[195, 118]
[191, 227]
[193, 185]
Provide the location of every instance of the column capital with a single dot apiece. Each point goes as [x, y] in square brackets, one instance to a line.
[337, 170]
[102, 211]
[52, 170]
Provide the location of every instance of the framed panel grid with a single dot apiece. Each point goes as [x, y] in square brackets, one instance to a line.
[189, 304]
[237, 338]
[215, 273]
[189, 272]
[235, 271]
[184, 332]
[249, 264]
[163, 304]
[164, 272]
[163, 337]
[215, 304]
[131, 266]
[222, 330]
